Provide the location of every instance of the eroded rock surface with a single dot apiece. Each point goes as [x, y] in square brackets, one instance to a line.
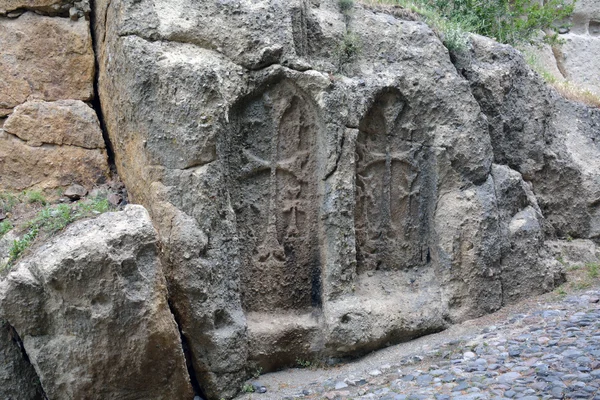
[98, 324]
[579, 55]
[44, 58]
[314, 204]
[18, 380]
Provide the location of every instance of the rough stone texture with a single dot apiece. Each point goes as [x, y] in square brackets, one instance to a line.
[18, 380]
[63, 122]
[50, 7]
[579, 54]
[314, 207]
[44, 58]
[48, 166]
[98, 325]
[553, 143]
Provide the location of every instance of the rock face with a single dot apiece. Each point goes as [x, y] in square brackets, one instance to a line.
[553, 143]
[98, 325]
[44, 58]
[63, 122]
[315, 200]
[51, 138]
[51, 7]
[578, 56]
[18, 380]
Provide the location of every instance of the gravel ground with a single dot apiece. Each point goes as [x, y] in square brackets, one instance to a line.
[543, 348]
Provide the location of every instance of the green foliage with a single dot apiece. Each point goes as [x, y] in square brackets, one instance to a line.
[5, 226]
[248, 388]
[593, 270]
[348, 49]
[345, 5]
[8, 201]
[302, 363]
[20, 245]
[35, 196]
[507, 21]
[53, 219]
[257, 372]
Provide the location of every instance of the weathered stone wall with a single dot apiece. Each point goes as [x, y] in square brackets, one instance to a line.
[578, 57]
[310, 200]
[47, 70]
[318, 205]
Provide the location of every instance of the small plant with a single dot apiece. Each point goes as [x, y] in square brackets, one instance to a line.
[35, 196]
[345, 5]
[257, 372]
[302, 363]
[348, 49]
[20, 245]
[5, 226]
[561, 291]
[8, 201]
[248, 388]
[593, 270]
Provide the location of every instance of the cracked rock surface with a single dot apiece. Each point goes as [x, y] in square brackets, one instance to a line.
[317, 201]
[97, 323]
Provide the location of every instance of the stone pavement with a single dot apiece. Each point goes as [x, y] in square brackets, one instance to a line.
[547, 350]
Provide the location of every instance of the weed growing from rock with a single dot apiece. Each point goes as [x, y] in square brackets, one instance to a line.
[508, 21]
[5, 226]
[345, 5]
[49, 221]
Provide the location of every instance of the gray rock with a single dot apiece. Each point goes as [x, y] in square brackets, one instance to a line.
[97, 311]
[396, 196]
[18, 380]
[75, 192]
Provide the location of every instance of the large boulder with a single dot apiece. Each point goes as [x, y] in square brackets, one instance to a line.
[323, 182]
[90, 307]
[44, 58]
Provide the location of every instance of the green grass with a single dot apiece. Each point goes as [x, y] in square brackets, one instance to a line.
[507, 21]
[5, 226]
[8, 201]
[348, 49]
[593, 270]
[35, 196]
[20, 245]
[52, 219]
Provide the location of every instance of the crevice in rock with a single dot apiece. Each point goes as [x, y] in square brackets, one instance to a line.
[96, 103]
[19, 343]
[337, 160]
[187, 353]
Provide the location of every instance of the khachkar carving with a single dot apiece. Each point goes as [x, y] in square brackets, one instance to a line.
[387, 190]
[274, 190]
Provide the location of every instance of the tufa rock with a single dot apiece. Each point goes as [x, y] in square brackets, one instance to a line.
[47, 7]
[98, 324]
[18, 379]
[306, 213]
[44, 58]
[63, 122]
[47, 167]
[75, 192]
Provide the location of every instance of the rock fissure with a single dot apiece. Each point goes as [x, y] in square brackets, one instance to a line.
[189, 359]
[96, 103]
[35, 389]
